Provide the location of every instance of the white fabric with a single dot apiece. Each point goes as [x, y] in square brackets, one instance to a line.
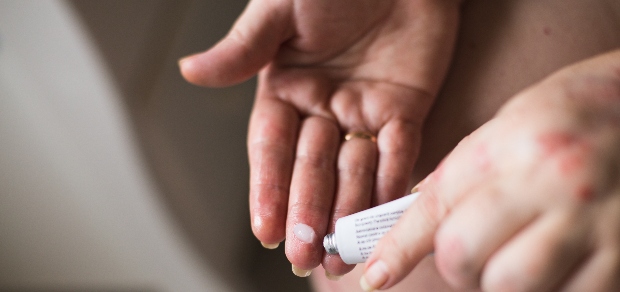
[77, 209]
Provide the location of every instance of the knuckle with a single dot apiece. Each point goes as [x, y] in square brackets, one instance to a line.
[454, 262]
[398, 251]
[308, 210]
[500, 279]
[506, 284]
[430, 206]
[273, 189]
[340, 212]
[354, 169]
[315, 160]
[239, 36]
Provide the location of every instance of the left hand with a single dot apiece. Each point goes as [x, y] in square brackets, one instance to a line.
[328, 68]
[528, 202]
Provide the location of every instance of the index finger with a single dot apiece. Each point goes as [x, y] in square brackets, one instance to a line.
[413, 236]
[272, 138]
[395, 256]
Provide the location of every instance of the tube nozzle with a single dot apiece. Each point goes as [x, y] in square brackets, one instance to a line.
[329, 243]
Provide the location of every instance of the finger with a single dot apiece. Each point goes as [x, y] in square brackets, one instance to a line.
[272, 138]
[540, 257]
[474, 230]
[399, 251]
[357, 162]
[398, 143]
[601, 273]
[251, 43]
[406, 244]
[474, 161]
[312, 192]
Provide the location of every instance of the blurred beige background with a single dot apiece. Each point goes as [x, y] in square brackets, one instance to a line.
[115, 174]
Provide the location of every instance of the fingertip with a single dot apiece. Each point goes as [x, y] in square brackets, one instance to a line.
[334, 265]
[375, 276]
[270, 245]
[219, 66]
[365, 286]
[332, 277]
[267, 230]
[299, 272]
[302, 253]
[188, 69]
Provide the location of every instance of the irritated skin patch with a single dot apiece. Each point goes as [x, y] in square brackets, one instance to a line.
[554, 142]
[573, 151]
[585, 193]
[482, 160]
[572, 163]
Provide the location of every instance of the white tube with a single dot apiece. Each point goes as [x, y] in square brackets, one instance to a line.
[357, 234]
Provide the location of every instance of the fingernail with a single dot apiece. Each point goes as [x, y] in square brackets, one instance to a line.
[374, 277]
[183, 59]
[180, 61]
[301, 272]
[365, 285]
[417, 187]
[329, 276]
[270, 245]
[304, 233]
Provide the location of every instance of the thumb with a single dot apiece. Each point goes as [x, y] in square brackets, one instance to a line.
[407, 243]
[251, 43]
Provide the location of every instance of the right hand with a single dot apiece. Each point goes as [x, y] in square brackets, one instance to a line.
[328, 68]
[528, 202]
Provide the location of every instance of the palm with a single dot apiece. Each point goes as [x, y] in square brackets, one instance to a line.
[339, 66]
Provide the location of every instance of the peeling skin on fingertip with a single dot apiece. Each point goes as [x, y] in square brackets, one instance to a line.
[304, 233]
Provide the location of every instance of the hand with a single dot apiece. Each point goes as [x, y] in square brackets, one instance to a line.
[528, 202]
[328, 68]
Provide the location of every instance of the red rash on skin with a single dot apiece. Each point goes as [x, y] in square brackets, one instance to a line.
[570, 164]
[553, 142]
[547, 30]
[481, 157]
[438, 173]
[449, 248]
[585, 193]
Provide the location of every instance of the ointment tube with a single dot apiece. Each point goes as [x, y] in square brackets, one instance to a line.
[357, 234]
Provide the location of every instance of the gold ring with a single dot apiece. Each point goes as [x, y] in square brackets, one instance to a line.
[362, 135]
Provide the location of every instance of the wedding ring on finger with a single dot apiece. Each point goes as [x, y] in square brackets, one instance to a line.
[361, 135]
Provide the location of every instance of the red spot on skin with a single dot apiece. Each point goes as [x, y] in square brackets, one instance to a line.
[438, 173]
[547, 30]
[571, 151]
[450, 258]
[481, 158]
[570, 164]
[585, 193]
[553, 142]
